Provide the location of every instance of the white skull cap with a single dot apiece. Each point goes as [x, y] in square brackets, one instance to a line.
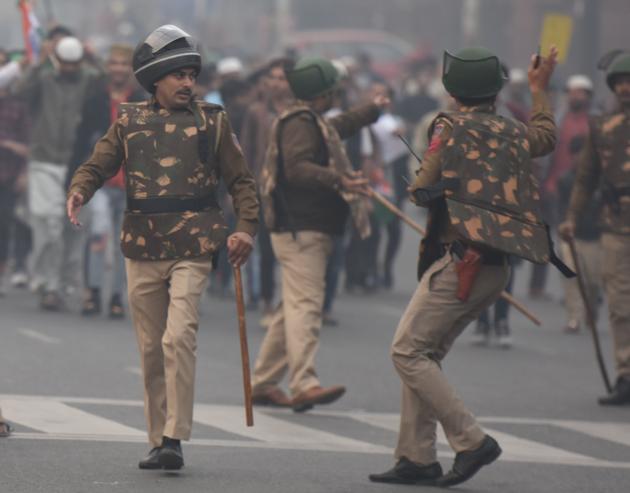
[517, 76]
[69, 49]
[229, 65]
[579, 81]
[341, 68]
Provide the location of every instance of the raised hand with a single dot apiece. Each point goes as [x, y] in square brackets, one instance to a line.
[540, 74]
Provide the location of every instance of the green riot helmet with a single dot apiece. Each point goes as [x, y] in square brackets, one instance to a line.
[312, 77]
[620, 66]
[165, 50]
[472, 73]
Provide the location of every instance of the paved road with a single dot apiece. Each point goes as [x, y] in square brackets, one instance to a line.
[72, 389]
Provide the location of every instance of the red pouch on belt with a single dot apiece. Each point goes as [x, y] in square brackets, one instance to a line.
[467, 269]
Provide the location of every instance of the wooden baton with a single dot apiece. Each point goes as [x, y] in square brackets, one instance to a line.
[242, 332]
[415, 226]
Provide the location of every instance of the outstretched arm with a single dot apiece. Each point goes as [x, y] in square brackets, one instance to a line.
[541, 129]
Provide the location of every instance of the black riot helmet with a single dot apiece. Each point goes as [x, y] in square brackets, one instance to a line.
[165, 50]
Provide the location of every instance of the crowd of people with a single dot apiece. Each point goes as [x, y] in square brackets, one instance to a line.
[54, 108]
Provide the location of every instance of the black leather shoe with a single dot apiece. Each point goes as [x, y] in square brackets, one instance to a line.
[171, 457]
[620, 394]
[468, 463]
[151, 460]
[406, 472]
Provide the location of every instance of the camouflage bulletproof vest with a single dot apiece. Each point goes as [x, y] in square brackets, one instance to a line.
[611, 138]
[337, 158]
[496, 201]
[162, 160]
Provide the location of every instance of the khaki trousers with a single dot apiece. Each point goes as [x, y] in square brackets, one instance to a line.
[616, 271]
[590, 258]
[163, 300]
[432, 321]
[292, 339]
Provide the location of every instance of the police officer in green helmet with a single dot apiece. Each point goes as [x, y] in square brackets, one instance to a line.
[174, 150]
[308, 191]
[477, 183]
[604, 165]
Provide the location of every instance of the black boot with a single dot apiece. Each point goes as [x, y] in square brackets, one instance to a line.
[406, 472]
[468, 463]
[620, 394]
[171, 457]
[151, 461]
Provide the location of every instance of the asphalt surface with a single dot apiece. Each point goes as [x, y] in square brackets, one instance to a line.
[71, 388]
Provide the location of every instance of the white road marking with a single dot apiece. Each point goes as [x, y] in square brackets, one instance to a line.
[52, 416]
[278, 431]
[58, 420]
[613, 432]
[200, 442]
[38, 336]
[515, 449]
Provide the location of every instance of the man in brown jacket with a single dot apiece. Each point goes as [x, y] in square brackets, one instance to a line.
[275, 97]
[308, 190]
[174, 151]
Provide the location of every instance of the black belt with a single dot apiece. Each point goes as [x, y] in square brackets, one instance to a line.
[487, 257]
[159, 205]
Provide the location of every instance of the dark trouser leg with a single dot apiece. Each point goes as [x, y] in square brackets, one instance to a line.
[333, 269]
[267, 264]
[394, 235]
[7, 203]
[502, 307]
[22, 244]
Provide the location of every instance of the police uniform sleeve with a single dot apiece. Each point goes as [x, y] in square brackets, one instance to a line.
[238, 180]
[102, 165]
[541, 129]
[586, 179]
[350, 122]
[431, 168]
[301, 141]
